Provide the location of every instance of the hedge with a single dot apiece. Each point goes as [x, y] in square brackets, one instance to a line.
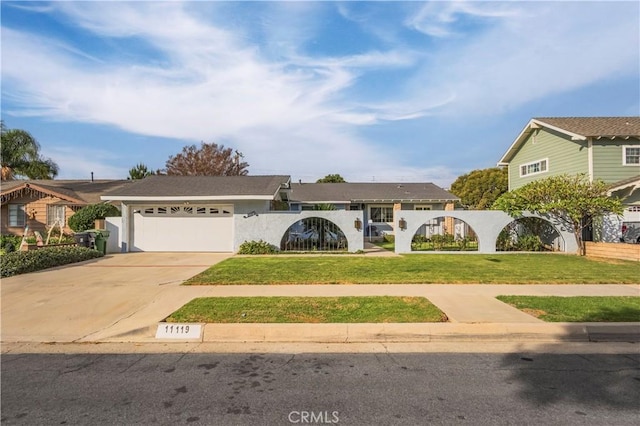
[21, 262]
[85, 218]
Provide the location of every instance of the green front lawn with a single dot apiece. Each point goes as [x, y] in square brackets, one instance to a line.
[383, 309]
[420, 269]
[577, 309]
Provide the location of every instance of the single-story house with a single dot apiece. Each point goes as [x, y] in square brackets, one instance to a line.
[39, 204]
[192, 213]
[377, 201]
[210, 213]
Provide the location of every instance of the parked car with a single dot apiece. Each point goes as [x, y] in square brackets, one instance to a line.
[630, 232]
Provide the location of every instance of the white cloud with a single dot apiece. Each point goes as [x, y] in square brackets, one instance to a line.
[256, 87]
[531, 51]
[74, 163]
[439, 18]
[212, 86]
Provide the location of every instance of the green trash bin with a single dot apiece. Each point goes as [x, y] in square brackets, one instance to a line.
[100, 236]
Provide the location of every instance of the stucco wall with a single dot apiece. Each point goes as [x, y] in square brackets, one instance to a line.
[486, 224]
[113, 225]
[271, 226]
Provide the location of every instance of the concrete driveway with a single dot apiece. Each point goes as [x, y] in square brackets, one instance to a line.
[83, 301]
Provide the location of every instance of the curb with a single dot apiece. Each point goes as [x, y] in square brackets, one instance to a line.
[404, 333]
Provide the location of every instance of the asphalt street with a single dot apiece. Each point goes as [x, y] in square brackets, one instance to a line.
[321, 388]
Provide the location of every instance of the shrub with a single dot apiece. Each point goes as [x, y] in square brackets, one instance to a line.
[389, 238]
[439, 241]
[257, 247]
[10, 243]
[464, 243]
[529, 242]
[21, 262]
[85, 218]
[419, 239]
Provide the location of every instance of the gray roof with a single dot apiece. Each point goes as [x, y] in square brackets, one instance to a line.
[76, 191]
[200, 186]
[368, 192]
[578, 128]
[596, 126]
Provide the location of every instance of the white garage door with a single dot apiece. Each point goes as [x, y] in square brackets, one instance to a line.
[183, 228]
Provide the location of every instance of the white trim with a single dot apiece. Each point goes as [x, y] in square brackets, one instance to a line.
[534, 125]
[186, 198]
[380, 206]
[546, 160]
[624, 155]
[590, 158]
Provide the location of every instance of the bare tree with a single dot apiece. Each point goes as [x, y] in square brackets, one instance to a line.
[209, 159]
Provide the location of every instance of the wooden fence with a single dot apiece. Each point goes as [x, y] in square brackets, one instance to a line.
[613, 250]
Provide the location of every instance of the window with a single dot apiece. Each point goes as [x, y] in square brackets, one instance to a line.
[631, 155]
[17, 216]
[381, 214]
[422, 208]
[55, 215]
[540, 166]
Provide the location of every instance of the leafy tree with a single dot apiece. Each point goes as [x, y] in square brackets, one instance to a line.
[335, 178]
[573, 201]
[209, 160]
[140, 171]
[21, 156]
[479, 189]
[85, 218]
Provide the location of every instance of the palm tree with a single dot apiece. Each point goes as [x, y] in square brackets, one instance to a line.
[21, 156]
[140, 171]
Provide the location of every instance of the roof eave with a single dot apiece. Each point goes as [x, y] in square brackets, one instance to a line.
[45, 191]
[186, 198]
[533, 124]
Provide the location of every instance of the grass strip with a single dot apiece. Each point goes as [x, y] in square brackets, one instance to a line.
[578, 308]
[368, 309]
[420, 269]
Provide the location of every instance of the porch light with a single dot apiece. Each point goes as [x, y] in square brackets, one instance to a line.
[402, 224]
[358, 224]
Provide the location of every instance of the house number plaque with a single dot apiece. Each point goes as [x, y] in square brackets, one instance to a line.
[175, 330]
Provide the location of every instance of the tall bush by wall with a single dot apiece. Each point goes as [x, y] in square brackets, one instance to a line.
[85, 218]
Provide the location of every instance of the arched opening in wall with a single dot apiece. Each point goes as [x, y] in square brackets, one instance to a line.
[314, 234]
[445, 233]
[529, 234]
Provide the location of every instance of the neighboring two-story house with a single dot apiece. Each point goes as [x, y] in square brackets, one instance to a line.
[606, 148]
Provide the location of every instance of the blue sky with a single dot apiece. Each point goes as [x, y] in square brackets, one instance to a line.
[374, 91]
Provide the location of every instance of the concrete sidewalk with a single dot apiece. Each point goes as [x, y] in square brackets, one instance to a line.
[474, 315]
[123, 298]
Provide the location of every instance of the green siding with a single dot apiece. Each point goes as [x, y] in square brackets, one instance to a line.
[564, 156]
[607, 160]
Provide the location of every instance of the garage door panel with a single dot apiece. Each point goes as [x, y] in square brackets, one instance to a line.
[165, 232]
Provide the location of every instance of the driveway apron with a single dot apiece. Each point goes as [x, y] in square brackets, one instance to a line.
[67, 304]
